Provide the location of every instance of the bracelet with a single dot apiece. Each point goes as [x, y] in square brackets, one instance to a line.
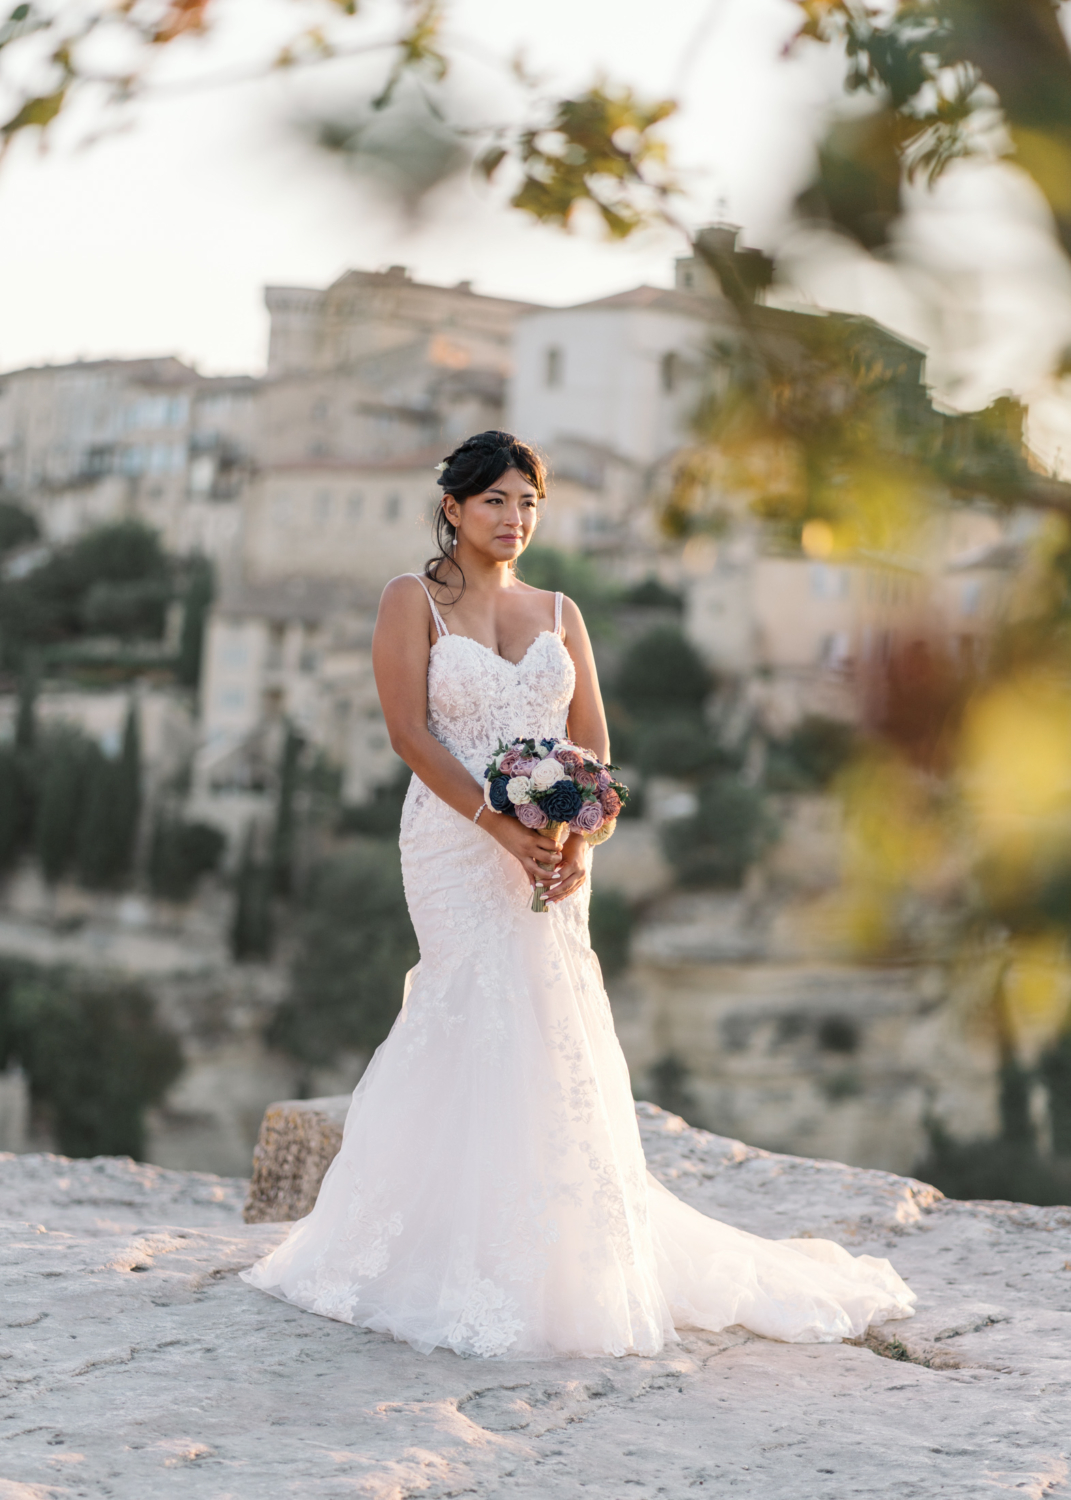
[481, 809]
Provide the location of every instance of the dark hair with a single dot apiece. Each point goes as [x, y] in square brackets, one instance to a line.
[472, 468]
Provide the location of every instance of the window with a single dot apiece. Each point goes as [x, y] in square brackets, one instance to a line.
[322, 506]
[393, 507]
[670, 371]
[233, 654]
[232, 698]
[355, 505]
[554, 370]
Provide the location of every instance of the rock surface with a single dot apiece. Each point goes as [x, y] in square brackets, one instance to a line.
[298, 1141]
[133, 1362]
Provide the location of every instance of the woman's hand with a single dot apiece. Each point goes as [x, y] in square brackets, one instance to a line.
[573, 870]
[529, 848]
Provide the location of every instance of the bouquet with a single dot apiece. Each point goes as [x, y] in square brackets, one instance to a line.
[554, 784]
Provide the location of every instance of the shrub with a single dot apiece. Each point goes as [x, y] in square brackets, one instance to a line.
[678, 747]
[69, 758]
[570, 574]
[611, 930]
[252, 929]
[810, 756]
[729, 831]
[112, 805]
[356, 945]
[662, 673]
[94, 1051]
[196, 602]
[996, 1168]
[651, 594]
[17, 526]
[180, 854]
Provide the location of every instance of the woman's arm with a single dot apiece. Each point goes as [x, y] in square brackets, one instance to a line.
[587, 727]
[587, 717]
[401, 649]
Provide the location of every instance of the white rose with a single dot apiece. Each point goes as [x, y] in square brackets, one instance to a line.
[546, 774]
[518, 789]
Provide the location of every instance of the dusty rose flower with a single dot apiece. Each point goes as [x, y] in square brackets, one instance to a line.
[589, 819]
[508, 764]
[604, 781]
[531, 815]
[587, 781]
[526, 764]
[611, 802]
[569, 759]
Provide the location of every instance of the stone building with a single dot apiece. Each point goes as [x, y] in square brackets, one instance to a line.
[101, 440]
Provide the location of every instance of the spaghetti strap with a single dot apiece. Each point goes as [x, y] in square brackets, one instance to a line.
[440, 623]
[557, 614]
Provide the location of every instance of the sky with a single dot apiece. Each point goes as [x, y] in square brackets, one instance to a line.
[161, 237]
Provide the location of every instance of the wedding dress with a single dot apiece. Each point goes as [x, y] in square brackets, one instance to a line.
[491, 1194]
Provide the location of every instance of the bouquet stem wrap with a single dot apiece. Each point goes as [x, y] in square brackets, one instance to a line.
[557, 832]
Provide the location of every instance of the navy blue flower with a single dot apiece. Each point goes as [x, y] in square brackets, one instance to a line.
[498, 795]
[562, 802]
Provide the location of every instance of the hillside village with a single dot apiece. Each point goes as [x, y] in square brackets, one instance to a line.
[305, 489]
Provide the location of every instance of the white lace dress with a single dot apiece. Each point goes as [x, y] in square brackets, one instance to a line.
[491, 1194]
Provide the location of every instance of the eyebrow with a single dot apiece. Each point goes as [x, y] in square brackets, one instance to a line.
[496, 490]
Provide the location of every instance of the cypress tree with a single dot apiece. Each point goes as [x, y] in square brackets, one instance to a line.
[196, 602]
[282, 844]
[10, 792]
[251, 929]
[109, 824]
[61, 802]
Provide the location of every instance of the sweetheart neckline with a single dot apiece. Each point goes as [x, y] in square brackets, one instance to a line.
[455, 636]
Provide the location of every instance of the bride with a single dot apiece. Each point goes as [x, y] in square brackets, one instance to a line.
[491, 1194]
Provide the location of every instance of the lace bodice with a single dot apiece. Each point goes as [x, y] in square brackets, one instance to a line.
[476, 698]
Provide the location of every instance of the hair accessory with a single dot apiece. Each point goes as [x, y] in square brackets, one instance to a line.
[441, 468]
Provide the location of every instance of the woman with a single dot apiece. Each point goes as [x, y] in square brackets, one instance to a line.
[491, 1194]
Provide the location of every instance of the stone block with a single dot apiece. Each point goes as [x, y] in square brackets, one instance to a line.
[298, 1141]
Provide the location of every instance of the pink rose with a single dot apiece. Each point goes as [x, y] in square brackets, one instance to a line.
[611, 802]
[569, 760]
[509, 763]
[587, 781]
[531, 815]
[604, 781]
[589, 819]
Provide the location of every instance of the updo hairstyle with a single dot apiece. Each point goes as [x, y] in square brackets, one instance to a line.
[473, 468]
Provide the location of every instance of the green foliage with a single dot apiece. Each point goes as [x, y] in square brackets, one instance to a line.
[12, 794]
[17, 526]
[662, 673]
[114, 579]
[601, 149]
[678, 747]
[69, 759]
[282, 843]
[196, 602]
[1055, 1070]
[651, 594]
[253, 927]
[356, 946]
[810, 757]
[112, 804]
[380, 815]
[94, 1051]
[180, 854]
[727, 834]
[611, 930]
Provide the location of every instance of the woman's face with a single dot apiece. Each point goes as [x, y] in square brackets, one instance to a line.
[499, 522]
